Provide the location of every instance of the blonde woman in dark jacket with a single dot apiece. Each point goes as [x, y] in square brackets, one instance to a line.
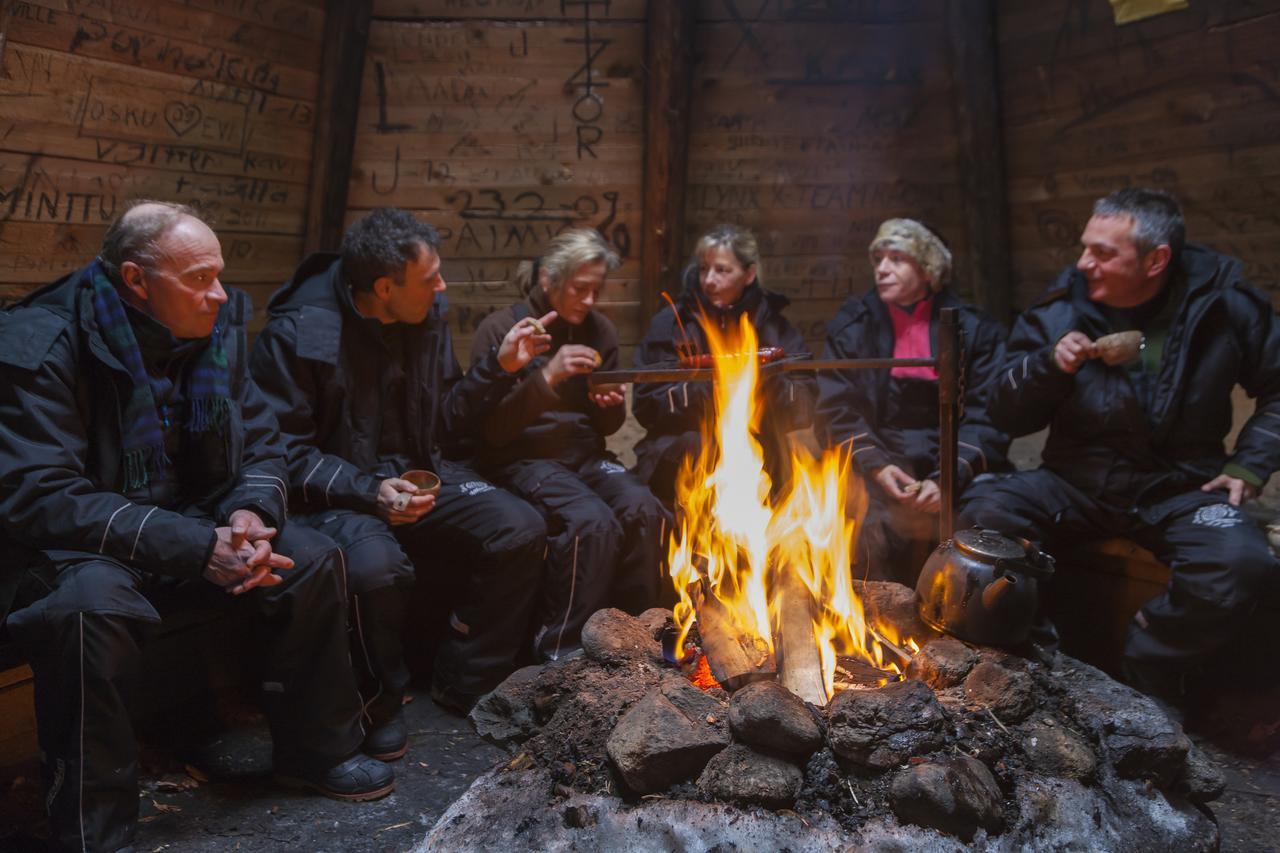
[545, 442]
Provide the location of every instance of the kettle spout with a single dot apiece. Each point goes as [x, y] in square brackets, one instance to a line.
[997, 593]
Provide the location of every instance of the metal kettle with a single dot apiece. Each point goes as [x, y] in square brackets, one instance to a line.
[982, 586]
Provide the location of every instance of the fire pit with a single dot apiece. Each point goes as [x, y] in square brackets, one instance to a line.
[782, 705]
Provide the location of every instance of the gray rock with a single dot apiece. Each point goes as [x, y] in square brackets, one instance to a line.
[1202, 781]
[654, 620]
[768, 715]
[1008, 694]
[942, 663]
[955, 794]
[886, 602]
[668, 736]
[741, 775]
[505, 715]
[612, 637]
[1138, 738]
[884, 727]
[1053, 750]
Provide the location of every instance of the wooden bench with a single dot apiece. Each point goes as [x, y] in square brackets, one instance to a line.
[1096, 590]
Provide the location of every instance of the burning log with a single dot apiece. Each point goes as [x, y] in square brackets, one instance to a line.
[799, 662]
[736, 658]
[854, 672]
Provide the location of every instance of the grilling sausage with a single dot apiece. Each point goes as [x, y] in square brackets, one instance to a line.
[764, 355]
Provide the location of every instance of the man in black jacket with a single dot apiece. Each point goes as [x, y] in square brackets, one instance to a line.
[357, 362]
[136, 454]
[1136, 449]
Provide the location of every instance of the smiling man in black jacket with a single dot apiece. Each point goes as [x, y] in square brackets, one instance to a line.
[357, 362]
[1137, 449]
[136, 453]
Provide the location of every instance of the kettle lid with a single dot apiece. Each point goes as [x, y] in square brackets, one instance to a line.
[989, 545]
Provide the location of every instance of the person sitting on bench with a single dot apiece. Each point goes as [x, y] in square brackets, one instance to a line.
[135, 452]
[890, 417]
[723, 282]
[546, 442]
[1136, 433]
[357, 361]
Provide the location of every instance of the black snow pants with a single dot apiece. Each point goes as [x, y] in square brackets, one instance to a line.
[606, 533]
[1220, 560]
[82, 640]
[491, 539]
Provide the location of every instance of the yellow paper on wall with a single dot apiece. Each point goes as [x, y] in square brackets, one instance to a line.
[1128, 11]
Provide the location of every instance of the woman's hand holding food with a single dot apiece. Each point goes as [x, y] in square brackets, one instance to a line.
[524, 341]
[570, 360]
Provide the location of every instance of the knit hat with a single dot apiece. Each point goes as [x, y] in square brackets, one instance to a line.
[918, 243]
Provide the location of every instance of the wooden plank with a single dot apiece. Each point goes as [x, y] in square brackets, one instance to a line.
[1185, 102]
[488, 223]
[511, 9]
[1054, 33]
[747, 13]
[346, 36]
[555, 50]
[16, 675]
[41, 252]
[165, 19]
[76, 107]
[985, 266]
[49, 189]
[17, 718]
[90, 36]
[304, 17]
[840, 53]
[669, 35]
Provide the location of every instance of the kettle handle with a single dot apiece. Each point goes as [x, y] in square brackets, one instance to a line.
[1035, 563]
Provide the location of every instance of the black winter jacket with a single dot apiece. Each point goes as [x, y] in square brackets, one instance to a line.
[61, 477]
[670, 409]
[535, 421]
[321, 366]
[853, 404]
[1101, 439]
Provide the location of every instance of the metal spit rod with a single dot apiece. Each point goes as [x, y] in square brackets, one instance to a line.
[947, 364]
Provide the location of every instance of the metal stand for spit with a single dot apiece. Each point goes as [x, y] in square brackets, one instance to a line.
[950, 376]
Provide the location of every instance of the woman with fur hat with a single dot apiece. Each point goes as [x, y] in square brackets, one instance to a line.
[890, 418]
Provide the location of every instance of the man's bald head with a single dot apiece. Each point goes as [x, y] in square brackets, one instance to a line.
[166, 262]
[135, 235]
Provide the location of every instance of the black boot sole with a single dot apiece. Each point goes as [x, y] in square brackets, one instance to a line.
[389, 756]
[356, 797]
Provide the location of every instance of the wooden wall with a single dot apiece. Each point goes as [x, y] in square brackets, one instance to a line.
[206, 102]
[502, 123]
[812, 122]
[1188, 102]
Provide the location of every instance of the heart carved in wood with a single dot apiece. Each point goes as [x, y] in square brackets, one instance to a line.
[182, 117]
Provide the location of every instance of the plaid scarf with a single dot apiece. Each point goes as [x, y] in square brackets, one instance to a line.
[208, 390]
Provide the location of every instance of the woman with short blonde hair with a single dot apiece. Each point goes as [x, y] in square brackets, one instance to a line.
[545, 441]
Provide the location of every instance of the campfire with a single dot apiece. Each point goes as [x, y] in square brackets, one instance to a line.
[783, 704]
[764, 572]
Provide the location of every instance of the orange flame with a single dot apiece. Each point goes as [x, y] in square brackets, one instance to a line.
[735, 540]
